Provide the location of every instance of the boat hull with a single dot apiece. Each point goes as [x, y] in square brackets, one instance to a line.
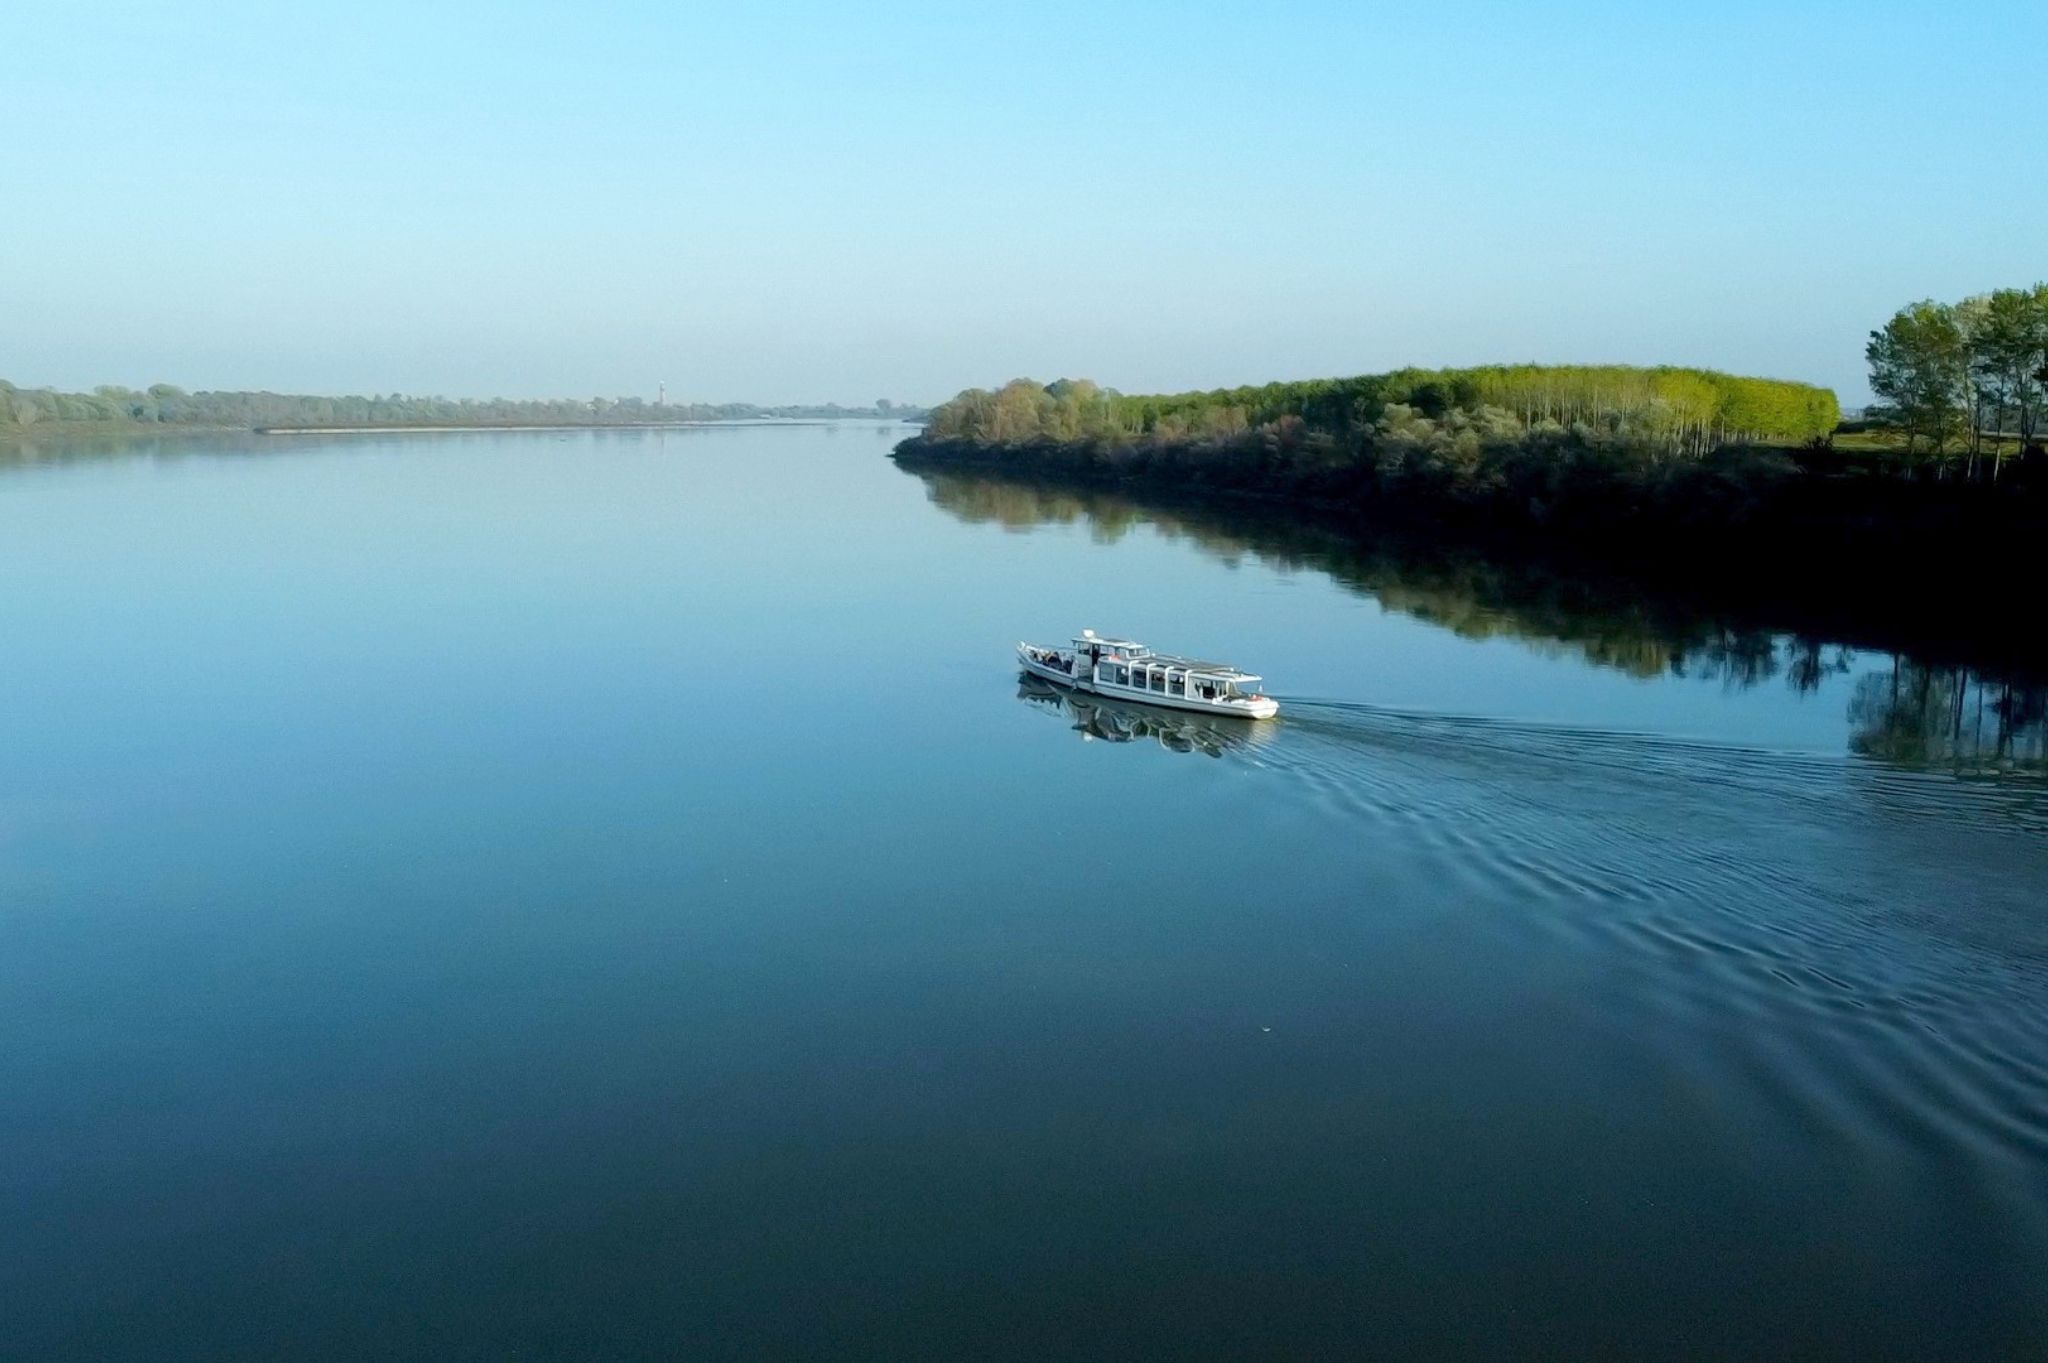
[1265, 708]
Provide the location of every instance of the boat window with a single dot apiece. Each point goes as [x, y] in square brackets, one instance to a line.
[1121, 675]
[1158, 681]
[1177, 686]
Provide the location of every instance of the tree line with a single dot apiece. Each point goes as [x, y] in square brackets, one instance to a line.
[1663, 469]
[163, 404]
[1965, 383]
[1664, 411]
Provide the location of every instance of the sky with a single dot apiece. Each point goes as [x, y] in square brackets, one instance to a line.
[783, 202]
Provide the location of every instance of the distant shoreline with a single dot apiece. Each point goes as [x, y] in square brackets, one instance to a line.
[101, 430]
[111, 407]
[583, 425]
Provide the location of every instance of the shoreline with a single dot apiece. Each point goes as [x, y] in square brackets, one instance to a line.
[723, 422]
[102, 430]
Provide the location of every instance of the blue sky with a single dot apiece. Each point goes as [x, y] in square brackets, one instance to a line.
[811, 201]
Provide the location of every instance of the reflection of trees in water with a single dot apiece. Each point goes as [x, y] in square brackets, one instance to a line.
[1950, 717]
[1809, 662]
[1472, 596]
[1918, 713]
[73, 448]
[1020, 506]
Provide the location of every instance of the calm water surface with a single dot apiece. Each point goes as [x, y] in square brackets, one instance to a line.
[608, 894]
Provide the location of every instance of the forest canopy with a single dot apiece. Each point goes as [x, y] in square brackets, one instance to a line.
[1680, 411]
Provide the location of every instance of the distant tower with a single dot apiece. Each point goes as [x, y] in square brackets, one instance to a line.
[661, 398]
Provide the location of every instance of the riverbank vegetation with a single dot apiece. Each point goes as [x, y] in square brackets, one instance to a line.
[1664, 411]
[1592, 448]
[1648, 465]
[42, 411]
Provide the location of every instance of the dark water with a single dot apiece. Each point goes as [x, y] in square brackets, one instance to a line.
[609, 895]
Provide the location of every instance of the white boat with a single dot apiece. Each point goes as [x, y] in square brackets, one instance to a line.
[1123, 669]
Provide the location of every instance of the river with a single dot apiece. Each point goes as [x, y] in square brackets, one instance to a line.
[598, 894]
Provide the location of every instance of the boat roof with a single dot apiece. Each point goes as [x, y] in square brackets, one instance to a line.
[1197, 665]
[1139, 653]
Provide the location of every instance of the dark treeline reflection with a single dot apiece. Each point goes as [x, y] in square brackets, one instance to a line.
[72, 447]
[1950, 716]
[1947, 713]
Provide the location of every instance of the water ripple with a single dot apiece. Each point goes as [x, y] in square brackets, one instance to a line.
[1858, 951]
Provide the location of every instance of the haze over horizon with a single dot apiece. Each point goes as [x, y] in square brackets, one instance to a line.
[800, 204]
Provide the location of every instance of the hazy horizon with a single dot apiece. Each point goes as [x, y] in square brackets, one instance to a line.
[800, 205]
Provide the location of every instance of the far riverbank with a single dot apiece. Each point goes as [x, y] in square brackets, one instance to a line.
[417, 428]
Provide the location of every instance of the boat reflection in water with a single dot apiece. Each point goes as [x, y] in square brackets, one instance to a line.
[1094, 717]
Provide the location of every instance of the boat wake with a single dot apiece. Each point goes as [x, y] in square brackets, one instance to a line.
[1848, 946]
[1840, 934]
[1325, 734]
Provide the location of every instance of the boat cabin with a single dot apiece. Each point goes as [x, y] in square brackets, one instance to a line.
[1121, 664]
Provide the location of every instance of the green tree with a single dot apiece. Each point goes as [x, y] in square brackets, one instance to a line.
[1920, 366]
[2005, 333]
[2008, 354]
